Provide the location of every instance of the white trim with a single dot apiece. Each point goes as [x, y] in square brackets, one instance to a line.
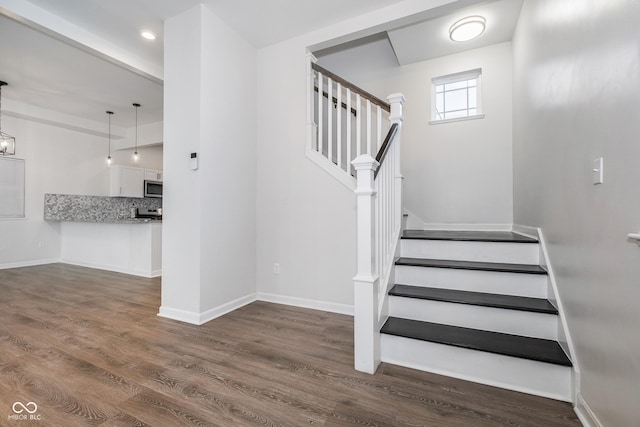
[331, 307]
[225, 308]
[467, 227]
[180, 315]
[525, 230]
[140, 273]
[29, 263]
[330, 168]
[563, 327]
[457, 119]
[585, 414]
[195, 318]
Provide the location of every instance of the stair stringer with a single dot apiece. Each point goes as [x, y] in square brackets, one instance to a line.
[329, 167]
[564, 336]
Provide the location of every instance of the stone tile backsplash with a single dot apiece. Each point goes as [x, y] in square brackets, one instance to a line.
[67, 207]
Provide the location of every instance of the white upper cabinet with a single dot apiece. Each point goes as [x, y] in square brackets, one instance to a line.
[126, 181]
[152, 175]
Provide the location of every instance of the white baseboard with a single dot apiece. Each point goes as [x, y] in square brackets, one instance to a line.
[115, 269]
[226, 308]
[200, 318]
[180, 315]
[526, 230]
[306, 303]
[196, 318]
[29, 263]
[466, 227]
[585, 414]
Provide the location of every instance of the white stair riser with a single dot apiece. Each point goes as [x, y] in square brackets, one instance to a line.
[494, 282]
[511, 253]
[512, 373]
[515, 322]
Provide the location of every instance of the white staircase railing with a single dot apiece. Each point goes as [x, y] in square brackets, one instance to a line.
[343, 122]
[379, 199]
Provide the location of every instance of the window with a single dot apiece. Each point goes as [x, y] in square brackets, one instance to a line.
[456, 97]
[11, 188]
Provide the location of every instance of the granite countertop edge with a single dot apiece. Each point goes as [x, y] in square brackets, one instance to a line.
[110, 221]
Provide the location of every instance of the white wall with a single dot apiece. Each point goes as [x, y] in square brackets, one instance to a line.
[455, 173]
[306, 218]
[576, 85]
[57, 160]
[209, 233]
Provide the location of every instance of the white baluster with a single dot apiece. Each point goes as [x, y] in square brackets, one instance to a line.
[358, 125]
[379, 126]
[339, 124]
[320, 123]
[330, 119]
[369, 148]
[349, 131]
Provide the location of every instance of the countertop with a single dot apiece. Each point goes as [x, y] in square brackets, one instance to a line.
[97, 209]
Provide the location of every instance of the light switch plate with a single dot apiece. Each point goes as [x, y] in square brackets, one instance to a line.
[598, 171]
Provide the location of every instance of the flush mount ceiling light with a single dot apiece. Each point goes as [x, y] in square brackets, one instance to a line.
[7, 142]
[148, 35]
[467, 28]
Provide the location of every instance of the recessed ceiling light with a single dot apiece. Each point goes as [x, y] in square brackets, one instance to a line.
[467, 28]
[148, 35]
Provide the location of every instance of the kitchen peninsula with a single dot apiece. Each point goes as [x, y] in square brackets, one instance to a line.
[100, 232]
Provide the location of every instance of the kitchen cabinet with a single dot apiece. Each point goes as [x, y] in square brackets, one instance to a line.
[126, 181]
[152, 175]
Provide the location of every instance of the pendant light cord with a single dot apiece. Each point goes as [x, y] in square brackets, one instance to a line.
[136, 128]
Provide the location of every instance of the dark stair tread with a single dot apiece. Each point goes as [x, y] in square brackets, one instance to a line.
[468, 236]
[535, 305]
[472, 265]
[493, 342]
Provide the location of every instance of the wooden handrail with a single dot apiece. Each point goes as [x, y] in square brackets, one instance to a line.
[384, 105]
[335, 101]
[384, 149]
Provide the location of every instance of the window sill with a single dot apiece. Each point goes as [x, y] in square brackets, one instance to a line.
[457, 119]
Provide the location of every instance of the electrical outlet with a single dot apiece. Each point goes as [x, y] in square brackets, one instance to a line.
[276, 268]
[41, 244]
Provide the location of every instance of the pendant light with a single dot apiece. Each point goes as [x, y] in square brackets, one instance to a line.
[110, 113]
[7, 142]
[136, 156]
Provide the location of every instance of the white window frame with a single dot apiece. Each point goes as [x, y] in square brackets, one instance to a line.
[12, 188]
[455, 78]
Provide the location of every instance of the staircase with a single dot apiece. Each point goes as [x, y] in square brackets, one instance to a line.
[475, 305]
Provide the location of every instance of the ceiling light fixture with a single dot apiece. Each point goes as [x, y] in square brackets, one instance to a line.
[467, 28]
[148, 35]
[136, 156]
[110, 113]
[7, 142]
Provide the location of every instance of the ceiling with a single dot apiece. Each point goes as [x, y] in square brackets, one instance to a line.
[430, 39]
[52, 72]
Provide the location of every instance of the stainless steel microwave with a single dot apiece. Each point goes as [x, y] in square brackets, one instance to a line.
[152, 188]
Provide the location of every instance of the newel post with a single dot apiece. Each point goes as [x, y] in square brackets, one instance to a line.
[396, 100]
[365, 283]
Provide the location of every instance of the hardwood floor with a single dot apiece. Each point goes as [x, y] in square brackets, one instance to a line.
[87, 348]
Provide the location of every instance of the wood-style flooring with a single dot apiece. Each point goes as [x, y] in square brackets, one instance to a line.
[87, 347]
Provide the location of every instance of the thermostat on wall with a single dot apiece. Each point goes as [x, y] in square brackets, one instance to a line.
[194, 161]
